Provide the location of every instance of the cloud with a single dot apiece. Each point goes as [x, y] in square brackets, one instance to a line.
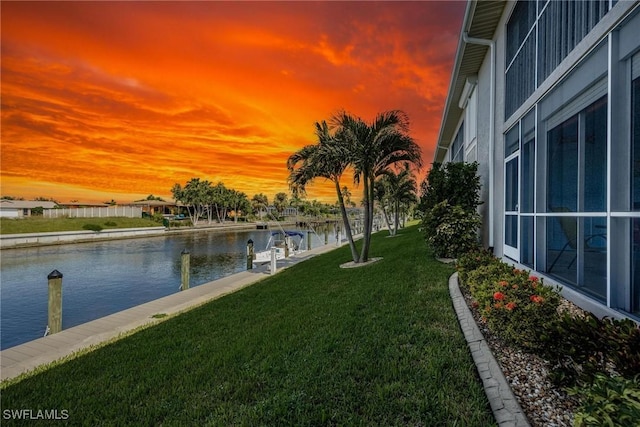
[132, 97]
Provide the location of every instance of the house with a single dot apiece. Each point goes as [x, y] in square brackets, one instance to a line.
[22, 208]
[152, 207]
[545, 96]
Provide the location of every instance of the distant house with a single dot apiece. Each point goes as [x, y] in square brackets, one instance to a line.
[151, 207]
[22, 208]
[288, 211]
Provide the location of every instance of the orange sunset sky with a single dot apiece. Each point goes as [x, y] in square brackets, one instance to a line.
[119, 100]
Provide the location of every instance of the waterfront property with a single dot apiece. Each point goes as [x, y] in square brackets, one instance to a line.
[22, 208]
[545, 96]
[376, 345]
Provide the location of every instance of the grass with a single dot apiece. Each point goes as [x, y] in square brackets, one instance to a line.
[44, 225]
[313, 345]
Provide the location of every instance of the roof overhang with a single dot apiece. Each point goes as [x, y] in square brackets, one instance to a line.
[481, 20]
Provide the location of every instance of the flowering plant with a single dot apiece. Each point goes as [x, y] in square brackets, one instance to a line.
[516, 304]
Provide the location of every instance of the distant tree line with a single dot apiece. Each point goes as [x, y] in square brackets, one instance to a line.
[215, 203]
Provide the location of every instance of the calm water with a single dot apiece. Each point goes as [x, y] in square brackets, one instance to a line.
[103, 278]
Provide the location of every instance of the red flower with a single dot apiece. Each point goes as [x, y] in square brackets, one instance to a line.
[498, 296]
[475, 304]
[510, 306]
[537, 299]
[515, 286]
[503, 283]
[498, 305]
[533, 278]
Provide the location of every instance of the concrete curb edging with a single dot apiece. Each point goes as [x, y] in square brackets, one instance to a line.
[505, 407]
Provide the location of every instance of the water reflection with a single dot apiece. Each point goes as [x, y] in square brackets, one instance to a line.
[102, 278]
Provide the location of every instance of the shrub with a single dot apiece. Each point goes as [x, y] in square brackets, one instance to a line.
[581, 347]
[521, 309]
[482, 282]
[451, 230]
[472, 261]
[458, 183]
[450, 196]
[92, 227]
[611, 401]
[183, 223]
[157, 217]
[517, 307]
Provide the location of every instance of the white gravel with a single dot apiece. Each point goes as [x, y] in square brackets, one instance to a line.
[543, 403]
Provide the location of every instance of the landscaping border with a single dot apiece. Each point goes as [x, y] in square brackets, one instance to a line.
[505, 407]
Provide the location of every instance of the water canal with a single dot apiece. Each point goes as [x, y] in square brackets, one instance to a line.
[102, 278]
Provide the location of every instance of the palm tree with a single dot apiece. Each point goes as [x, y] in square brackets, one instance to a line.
[398, 189]
[258, 202]
[328, 159]
[381, 195]
[374, 148]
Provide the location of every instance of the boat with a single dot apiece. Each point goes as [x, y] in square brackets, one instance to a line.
[282, 241]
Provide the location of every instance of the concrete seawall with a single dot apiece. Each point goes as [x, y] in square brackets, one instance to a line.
[8, 241]
[24, 240]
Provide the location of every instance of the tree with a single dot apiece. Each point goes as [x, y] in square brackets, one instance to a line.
[194, 196]
[259, 203]
[280, 202]
[346, 194]
[395, 190]
[238, 202]
[328, 159]
[382, 197]
[218, 201]
[373, 149]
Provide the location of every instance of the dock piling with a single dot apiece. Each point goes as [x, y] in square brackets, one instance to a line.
[273, 260]
[55, 302]
[250, 254]
[184, 270]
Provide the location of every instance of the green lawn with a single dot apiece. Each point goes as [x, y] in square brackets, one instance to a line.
[44, 225]
[313, 345]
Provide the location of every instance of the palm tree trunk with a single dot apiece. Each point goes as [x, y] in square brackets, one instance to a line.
[347, 226]
[369, 197]
[397, 217]
[366, 237]
[386, 220]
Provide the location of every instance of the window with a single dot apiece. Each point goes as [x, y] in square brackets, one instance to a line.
[635, 144]
[576, 245]
[457, 147]
[520, 22]
[635, 190]
[563, 24]
[577, 162]
[635, 266]
[538, 40]
[562, 167]
[521, 55]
